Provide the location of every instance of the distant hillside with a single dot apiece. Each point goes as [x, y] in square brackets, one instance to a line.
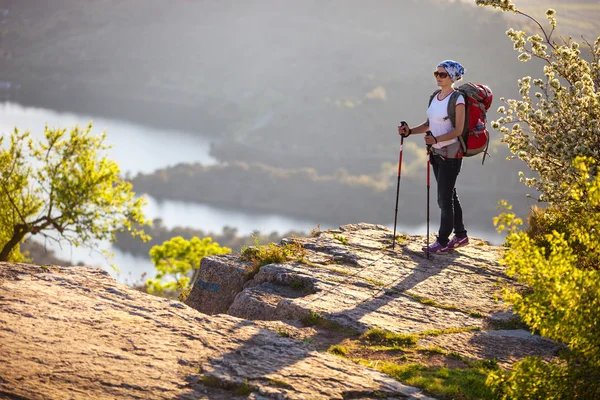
[263, 71]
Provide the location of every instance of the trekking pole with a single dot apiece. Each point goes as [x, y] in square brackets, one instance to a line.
[403, 123]
[428, 133]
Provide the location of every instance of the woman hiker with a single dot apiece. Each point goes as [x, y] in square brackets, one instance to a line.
[445, 155]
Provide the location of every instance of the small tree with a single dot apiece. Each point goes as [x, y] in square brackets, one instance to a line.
[560, 122]
[65, 184]
[176, 258]
[9, 216]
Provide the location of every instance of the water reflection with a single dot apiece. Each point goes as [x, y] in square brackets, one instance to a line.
[129, 268]
[136, 148]
[213, 219]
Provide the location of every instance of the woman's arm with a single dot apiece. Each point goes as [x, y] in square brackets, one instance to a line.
[405, 130]
[424, 127]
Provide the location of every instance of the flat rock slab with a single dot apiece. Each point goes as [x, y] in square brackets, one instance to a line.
[353, 277]
[73, 332]
[505, 346]
[364, 284]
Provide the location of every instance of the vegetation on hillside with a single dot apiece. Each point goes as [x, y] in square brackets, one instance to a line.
[351, 78]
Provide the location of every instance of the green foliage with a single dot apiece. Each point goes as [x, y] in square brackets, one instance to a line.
[12, 205]
[279, 383]
[442, 382]
[382, 337]
[375, 282]
[439, 332]
[175, 259]
[243, 389]
[315, 232]
[7, 224]
[272, 254]
[575, 219]
[507, 220]
[533, 378]
[311, 319]
[433, 303]
[560, 121]
[228, 237]
[341, 238]
[283, 333]
[297, 284]
[564, 277]
[338, 350]
[239, 388]
[541, 222]
[63, 183]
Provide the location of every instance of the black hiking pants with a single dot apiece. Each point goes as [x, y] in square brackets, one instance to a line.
[446, 171]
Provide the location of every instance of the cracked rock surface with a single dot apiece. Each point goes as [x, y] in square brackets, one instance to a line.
[74, 332]
[352, 276]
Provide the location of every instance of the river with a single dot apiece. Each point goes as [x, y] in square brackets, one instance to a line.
[140, 148]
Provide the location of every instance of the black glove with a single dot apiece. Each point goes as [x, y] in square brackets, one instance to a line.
[428, 133]
[409, 132]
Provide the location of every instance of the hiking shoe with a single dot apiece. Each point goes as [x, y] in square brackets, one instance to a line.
[436, 248]
[458, 242]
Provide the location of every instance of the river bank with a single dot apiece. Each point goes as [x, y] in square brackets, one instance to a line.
[328, 199]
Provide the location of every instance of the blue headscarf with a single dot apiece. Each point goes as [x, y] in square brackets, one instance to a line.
[454, 69]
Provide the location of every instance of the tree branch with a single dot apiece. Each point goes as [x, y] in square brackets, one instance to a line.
[542, 29]
[12, 202]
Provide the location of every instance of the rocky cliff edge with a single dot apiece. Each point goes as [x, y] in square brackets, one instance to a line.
[243, 332]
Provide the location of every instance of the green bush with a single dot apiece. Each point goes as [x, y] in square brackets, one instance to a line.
[175, 259]
[563, 303]
[271, 253]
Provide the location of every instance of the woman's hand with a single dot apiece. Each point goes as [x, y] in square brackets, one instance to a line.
[430, 139]
[404, 130]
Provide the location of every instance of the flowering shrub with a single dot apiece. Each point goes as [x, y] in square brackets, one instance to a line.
[562, 119]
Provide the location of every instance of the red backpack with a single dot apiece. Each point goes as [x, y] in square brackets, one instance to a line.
[475, 137]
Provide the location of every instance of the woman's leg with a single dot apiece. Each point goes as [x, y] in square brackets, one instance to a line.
[446, 171]
[459, 226]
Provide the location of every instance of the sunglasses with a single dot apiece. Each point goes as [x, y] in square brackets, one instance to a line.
[441, 75]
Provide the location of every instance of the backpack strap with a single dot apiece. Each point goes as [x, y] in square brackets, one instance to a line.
[433, 95]
[452, 107]
[431, 99]
[452, 116]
